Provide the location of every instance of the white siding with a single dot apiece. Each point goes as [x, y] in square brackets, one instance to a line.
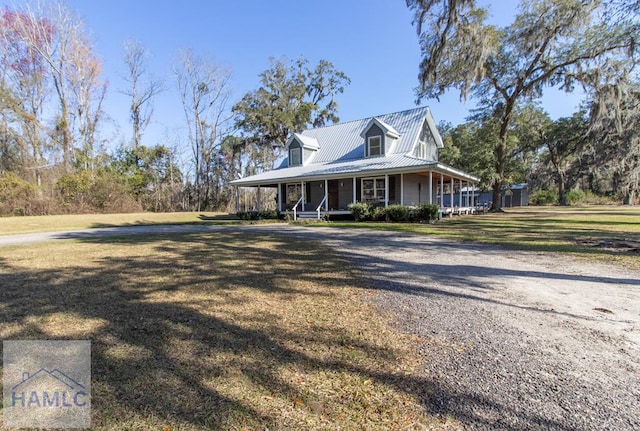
[416, 189]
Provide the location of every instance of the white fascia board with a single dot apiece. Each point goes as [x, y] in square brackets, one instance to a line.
[434, 130]
[386, 128]
[456, 172]
[304, 141]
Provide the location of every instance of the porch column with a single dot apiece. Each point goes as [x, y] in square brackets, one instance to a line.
[401, 189]
[441, 191]
[326, 195]
[302, 190]
[279, 197]
[386, 190]
[430, 187]
[466, 195]
[354, 191]
[460, 197]
[451, 192]
[258, 206]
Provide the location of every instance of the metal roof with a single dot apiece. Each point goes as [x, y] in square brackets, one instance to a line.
[306, 141]
[393, 164]
[343, 141]
[341, 151]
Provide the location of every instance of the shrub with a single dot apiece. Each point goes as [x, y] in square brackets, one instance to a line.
[73, 190]
[110, 193]
[426, 212]
[15, 195]
[544, 197]
[397, 213]
[269, 214]
[591, 198]
[257, 215]
[574, 196]
[101, 191]
[360, 211]
[378, 213]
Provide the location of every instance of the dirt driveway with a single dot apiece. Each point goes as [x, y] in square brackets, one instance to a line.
[510, 340]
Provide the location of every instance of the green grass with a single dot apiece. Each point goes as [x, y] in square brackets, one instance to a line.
[211, 331]
[17, 225]
[596, 232]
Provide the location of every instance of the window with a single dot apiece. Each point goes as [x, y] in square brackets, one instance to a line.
[374, 146]
[373, 190]
[295, 156]
[421, 151]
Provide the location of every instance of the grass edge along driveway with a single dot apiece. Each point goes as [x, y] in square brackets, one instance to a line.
[608, 234]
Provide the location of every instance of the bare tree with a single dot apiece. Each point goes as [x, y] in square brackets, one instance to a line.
[25, 79]
[143, 87]
[204, 89]
[88, 95]
[58, 38]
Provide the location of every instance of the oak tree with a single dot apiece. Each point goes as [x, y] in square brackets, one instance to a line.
[550, 43]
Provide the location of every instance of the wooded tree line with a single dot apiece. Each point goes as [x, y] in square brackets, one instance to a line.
[57, 155]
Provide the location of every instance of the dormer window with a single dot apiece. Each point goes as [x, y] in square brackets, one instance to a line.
[379, 138]
[295, 156]
[301, 149]
[374, 146]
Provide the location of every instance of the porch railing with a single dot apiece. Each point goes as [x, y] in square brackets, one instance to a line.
[295, 209]
[320, 206]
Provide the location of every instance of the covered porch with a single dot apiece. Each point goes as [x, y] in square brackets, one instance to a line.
[310, 197]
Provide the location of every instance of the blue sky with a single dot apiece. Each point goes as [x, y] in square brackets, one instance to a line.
[372, 41]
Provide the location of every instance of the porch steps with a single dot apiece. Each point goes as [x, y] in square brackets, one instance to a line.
[309, 215]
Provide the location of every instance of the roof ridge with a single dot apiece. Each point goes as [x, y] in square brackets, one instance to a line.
[366, 118]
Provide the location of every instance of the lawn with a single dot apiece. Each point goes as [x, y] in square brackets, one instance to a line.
[603, 233]
[17, 225]
[217, 331]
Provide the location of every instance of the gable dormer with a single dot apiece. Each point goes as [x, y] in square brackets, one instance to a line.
[379, 138]
[300, 149]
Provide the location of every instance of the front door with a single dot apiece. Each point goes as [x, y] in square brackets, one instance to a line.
[334, 197]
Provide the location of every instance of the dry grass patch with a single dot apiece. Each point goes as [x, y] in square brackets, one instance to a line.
[217, 331]
[15, 225]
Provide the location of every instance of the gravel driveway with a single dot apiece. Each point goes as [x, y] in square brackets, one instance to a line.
[511, 340]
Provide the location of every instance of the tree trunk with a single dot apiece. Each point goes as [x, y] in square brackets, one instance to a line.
[498, 182]
[562, 194]
[500, 153]
[496, 204]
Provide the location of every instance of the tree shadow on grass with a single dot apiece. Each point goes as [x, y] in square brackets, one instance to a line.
[169, 332]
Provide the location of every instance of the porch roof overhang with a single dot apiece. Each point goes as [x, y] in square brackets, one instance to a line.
[385, 165]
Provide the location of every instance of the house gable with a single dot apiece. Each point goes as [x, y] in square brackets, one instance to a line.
[427, 146]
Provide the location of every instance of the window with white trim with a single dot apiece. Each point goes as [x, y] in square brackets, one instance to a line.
[295, 156]
[374, 146]
[373, 189]
[421, 150]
